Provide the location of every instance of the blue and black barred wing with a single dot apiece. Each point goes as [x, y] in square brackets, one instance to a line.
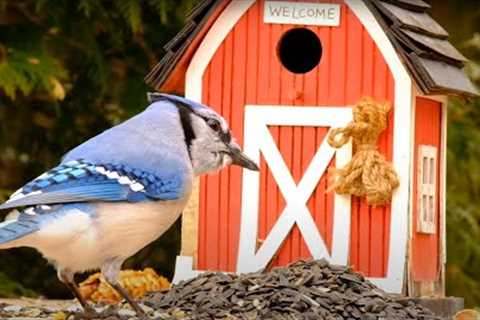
[83, 181]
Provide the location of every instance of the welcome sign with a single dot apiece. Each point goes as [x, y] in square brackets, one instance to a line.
[316, 14]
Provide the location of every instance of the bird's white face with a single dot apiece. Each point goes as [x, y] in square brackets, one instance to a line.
[213, 147]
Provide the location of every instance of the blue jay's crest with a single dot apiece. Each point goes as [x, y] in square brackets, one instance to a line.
[213, 119]
[155, 96]
[81, 181]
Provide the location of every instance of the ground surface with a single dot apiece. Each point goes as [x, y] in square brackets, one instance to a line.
[36, 309]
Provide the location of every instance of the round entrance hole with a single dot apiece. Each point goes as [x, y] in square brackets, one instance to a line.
[299, 50]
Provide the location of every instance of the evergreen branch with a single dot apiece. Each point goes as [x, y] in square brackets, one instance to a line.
[140, 41]
[162, 8]
[131, 11]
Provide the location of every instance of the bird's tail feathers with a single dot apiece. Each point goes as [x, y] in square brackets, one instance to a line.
[4, 243]
[12, 231]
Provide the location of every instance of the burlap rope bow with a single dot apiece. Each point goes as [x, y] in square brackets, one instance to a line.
[368, 174]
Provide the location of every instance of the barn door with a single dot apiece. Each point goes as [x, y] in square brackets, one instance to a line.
[258, 140]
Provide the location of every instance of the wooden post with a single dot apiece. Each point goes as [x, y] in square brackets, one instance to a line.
[190, 224]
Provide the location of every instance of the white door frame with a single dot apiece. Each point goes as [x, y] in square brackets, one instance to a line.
[258, 139]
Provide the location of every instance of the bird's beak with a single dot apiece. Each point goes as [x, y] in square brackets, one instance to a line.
[240, 159]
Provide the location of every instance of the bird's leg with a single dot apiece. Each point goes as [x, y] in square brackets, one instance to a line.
[110, 271]
[67, 278]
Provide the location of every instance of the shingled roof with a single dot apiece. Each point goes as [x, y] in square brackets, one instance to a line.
[433, 62]
[182, 46]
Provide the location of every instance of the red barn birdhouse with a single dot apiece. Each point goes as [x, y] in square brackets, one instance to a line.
[283, 74]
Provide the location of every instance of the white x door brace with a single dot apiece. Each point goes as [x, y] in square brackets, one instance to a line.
[259, 140]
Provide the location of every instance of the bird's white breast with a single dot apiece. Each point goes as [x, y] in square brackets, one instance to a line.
[81, 241]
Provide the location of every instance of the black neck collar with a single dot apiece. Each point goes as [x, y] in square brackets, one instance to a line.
[186, 121]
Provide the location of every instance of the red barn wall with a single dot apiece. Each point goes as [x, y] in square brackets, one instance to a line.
[246, 70]
[425, 247]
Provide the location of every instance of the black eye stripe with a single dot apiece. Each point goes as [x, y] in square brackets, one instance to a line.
[226, 137]
[186, 122]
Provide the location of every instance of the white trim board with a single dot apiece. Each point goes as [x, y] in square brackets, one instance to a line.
[403, 137]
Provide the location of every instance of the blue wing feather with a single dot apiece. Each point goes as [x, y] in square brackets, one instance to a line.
[83, 181]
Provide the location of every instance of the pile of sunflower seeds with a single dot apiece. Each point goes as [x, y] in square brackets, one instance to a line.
[303, 290]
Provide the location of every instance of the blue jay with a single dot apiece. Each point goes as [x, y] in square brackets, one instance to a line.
[119, 191]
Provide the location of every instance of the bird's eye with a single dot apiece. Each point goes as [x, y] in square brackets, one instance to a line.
[215, 125]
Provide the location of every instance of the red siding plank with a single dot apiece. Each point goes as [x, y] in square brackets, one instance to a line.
[213, 181]
[338, 36]
[225, 236]
[202, 232]
[285, 143]
[238, 101]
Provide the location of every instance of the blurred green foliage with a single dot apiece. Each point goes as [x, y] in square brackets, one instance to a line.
[12, 289]
[462, 20]
[69, 70]
[463, 189]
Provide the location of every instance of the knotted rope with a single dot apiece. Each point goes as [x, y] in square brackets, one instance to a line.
[368, 174]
